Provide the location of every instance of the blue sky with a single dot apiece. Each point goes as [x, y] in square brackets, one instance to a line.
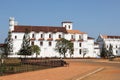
[91, 16]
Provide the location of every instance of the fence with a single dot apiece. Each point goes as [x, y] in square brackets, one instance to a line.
[11, 66]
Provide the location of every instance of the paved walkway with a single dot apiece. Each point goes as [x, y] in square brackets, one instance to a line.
[74, 70]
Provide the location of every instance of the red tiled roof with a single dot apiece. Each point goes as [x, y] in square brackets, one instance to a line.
[104, 36]
[21, 28]
[108, 36]
[75, 32]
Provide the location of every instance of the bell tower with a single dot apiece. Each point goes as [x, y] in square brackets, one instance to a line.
[11, 23]
[67, 25]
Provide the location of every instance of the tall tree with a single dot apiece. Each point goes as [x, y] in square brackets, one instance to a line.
[8, 47]
[63, 45]
[110, 52]
[25, 48]
[71, 48]
[35, 49]
[104, 51]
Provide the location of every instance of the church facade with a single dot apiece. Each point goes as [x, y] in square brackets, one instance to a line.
[110, 40]
[46, 38]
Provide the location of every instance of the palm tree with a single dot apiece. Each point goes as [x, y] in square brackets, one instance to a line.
[35, 49]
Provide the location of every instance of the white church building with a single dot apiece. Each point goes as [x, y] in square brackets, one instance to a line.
[110, 40]
[46, 37]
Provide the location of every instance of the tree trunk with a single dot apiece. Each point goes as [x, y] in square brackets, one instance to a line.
[36, 55]
[64, 55]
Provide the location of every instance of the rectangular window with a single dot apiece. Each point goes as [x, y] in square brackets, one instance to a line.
[50, 43]
[69, 26]
[80, 51]
[41, 43]
[80, 37]
[116, 46]
[32, 43]
[15, 37]
[50, 36]
[72, 37]
[59, 36]
[79, 44]
[116, 51]
[33, 35]
[41, 36]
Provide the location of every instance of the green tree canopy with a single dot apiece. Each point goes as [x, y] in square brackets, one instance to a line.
[35, 49]
[63, 45]
[25, 48]
[8, 47]
[71, 48]
[104, 51]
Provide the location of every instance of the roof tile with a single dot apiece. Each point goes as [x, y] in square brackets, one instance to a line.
[20, 28]
[75, 32]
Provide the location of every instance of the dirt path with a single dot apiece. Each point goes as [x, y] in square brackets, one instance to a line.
[75, 69]
[110, 73]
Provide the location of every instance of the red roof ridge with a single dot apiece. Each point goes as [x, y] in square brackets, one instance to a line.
[109, 36]
[54, 29]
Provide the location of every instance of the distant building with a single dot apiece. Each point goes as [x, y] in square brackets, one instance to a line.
[46, 37]
[96, 49]
[110, 40]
